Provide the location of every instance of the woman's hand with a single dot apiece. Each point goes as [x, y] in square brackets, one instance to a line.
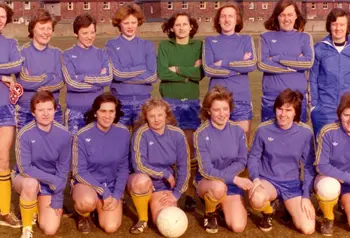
[171, 181]
[243, 183]
[308, 208]
[256, 183]
[110, 204]
[168, 199]
[9, 81]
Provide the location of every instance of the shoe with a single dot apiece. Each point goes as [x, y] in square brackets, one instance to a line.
[35, 219]
[266, 222]
[10, 220]
[84, 224]
[138, 228]
[327, 227]
[211, 223]
[190, 204]
[27, 233]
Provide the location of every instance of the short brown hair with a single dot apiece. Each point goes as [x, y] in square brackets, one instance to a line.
[290, 97]
[150, 105]
[42, 96]
[272, 23]
[239, 20]
[344, 104]
[41, 15]
[219, 93]
[89, 116]
[8, 10]
[82, 21]
[169, 24]
[332, 17]
[125, 11]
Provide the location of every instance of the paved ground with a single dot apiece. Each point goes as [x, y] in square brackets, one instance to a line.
[195, 229]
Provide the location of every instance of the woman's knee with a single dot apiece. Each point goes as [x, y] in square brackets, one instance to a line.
[141, 183]
[110, 227]
[307, 229]
[30, 187]
[49, 229]
[86, 203]
[258, 200]
[217, 190]
[238, 227]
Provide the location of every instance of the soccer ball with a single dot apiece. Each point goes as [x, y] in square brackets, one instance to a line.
[172, 222]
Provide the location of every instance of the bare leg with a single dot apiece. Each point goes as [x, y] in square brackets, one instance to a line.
[49, 219]
[235, 212]
[155, 204]
[110, 221]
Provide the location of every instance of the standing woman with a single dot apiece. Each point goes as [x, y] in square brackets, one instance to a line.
[160, 159]
[332, 164]
[284, 55]
[100, 165]
[221, 150]
[41, 69]
[10, 63]
[280, 147]
[43, 155]
[330, 74]
[134, 63]
[86, 71]
[180, 70]
[230, 68]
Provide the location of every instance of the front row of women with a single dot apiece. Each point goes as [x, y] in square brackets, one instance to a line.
[161, 164]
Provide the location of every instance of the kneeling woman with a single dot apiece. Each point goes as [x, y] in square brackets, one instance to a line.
[43, 152]
[221, 150]
[332, 164]
[279, 147]
[100, 165]
[157, 146]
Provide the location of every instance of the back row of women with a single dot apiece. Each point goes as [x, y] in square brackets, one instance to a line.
[129, 66]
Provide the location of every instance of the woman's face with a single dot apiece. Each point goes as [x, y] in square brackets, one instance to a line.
[339, 29]
[42, 33]
[128, 26]
[3, 18]
[182, 27]
[86, 36]
[287, 18]
[285, 116]
[219, 112]
[156, 119]
[105, 115]
[345, 120]
[228, 20]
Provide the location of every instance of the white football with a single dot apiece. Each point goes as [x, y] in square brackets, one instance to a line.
[172, 222]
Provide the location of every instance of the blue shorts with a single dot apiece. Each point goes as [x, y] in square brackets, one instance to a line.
[160, 185]
[322, 115]
[131, 107]
[345, 188]
[74, 119]
[24, 116]
[7, 115]
[242, 111]
[232, 189]
[186, 112]
[286, 189]
[45, 189]
[267, 113]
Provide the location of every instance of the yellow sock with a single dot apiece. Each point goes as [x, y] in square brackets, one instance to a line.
[83, 214]
[267, 209]
[27, 209]
[211, 203]
[5, 188]
[327, 206]
[141, 204]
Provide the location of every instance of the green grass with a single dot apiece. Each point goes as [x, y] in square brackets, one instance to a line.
[195, 229]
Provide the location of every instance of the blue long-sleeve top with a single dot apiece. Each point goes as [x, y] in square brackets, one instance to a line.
[10, 63]
[292, 53]
[332, 157]
[233, 73]
[45, 156]
[82, 73]
[155, 155]
[330, 74]
[41, 70]
[221, 154]
[134, 65]
[277, 154]
[102, 158]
